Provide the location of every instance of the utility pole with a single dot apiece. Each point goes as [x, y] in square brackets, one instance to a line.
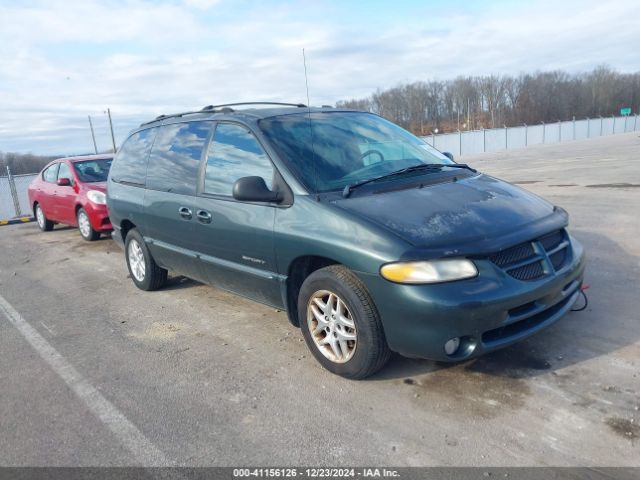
[468, 114]
[113, 138]
[93, 135]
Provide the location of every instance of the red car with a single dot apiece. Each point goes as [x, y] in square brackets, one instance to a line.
[73, 191]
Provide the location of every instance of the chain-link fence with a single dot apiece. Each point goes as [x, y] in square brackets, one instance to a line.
[14, 201]
[472, 142]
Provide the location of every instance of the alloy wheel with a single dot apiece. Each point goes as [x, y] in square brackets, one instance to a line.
[136, 260]
[332, 326]
[84, 225]
[40, 217]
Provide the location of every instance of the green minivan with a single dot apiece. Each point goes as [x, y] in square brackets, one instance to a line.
[372, 241]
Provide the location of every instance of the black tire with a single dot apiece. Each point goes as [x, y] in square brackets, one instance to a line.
[371, 349]
[42, 221]
[154, 277]
[91, 234]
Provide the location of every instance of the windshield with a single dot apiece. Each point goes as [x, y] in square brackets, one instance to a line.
[329, 150]
[91, 171]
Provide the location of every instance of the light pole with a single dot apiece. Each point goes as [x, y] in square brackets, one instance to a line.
[93, 135]
[113, 138]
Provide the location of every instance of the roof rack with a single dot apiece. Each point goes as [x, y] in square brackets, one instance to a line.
[223, 108]
[173, 115]
[211, 107]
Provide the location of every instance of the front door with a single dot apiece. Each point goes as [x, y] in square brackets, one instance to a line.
[234, 239]
[66, 197]
[47, 195]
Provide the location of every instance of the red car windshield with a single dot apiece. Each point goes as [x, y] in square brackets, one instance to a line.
[90, 171]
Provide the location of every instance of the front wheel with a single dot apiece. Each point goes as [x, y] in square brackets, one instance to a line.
[341, 324]
[84, 225]
[143, 269]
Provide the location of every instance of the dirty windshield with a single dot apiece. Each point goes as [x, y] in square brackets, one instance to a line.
[329, 150]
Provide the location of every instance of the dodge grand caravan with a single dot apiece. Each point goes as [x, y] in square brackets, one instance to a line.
[369, 238]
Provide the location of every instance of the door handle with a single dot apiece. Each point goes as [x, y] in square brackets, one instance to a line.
[185, 213]
[203, 216]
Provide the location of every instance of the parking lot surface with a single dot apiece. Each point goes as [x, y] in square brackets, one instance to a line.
[96, 372]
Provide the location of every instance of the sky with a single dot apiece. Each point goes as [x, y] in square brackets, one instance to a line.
[61, 61]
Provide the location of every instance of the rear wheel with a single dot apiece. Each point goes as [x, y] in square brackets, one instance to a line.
[341, 324]
[84, 225]
[143, 269]
[44, 224]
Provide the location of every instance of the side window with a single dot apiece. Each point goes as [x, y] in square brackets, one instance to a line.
[65, 172]
[175, 157]
[234, 153]
[51, 173]
[130, 163]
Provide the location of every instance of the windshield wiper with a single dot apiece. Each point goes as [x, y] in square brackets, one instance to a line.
[423, 166]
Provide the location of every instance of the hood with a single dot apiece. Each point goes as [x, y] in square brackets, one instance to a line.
[477, 214]
[100, 186]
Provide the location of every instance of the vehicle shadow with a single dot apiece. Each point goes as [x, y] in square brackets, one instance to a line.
[603, 327]
[32, 229]
[179, 282]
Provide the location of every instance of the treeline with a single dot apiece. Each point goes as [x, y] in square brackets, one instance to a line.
[476, 102]
[20, 163]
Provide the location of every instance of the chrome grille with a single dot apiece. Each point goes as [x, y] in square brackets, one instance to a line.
[536, 258]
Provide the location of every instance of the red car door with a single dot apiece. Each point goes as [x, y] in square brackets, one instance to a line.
[46, 194]
[65, 196]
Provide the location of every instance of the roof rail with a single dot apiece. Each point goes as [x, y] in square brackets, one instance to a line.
[173, 115]
[211, 107]
[223, 108]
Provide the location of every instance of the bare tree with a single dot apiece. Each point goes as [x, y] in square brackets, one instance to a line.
[494, 100]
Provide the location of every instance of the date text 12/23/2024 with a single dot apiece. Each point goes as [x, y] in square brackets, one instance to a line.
[315, 473]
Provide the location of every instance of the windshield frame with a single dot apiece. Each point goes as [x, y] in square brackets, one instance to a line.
[309, 179]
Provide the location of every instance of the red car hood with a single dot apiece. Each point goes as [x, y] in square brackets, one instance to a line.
[100, 186]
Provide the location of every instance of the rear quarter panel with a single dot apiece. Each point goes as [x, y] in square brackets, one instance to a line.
[124, 202]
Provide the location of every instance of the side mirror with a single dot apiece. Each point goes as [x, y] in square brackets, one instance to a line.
[254, 189]
[449, 155]
[64, 182]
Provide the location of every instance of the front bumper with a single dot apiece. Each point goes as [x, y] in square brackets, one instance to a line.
[488, 312]
[98, 217]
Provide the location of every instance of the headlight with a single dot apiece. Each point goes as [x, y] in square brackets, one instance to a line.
[97, 197]
[432, 271]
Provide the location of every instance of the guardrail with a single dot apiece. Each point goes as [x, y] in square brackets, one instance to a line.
[472, 142]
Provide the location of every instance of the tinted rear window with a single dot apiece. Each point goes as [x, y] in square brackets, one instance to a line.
[130, 164]
[175, 157]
